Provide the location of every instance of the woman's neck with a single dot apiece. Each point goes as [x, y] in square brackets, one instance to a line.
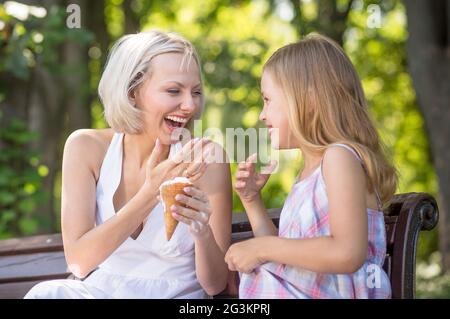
[138, 147]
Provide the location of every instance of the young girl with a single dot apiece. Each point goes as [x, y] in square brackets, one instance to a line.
[331, 241]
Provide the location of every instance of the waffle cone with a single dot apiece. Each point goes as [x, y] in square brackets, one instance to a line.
[168, 193]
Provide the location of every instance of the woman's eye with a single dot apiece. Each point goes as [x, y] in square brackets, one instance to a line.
[199, 93]
[173, 91]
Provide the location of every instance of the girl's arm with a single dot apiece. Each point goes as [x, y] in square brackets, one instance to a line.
[248, 186]
[260, 221]
[344, 250]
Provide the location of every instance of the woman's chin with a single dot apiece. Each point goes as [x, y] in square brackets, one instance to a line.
[165, 139]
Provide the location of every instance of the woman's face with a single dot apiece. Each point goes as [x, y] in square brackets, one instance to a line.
[170, 97]
[275, 114]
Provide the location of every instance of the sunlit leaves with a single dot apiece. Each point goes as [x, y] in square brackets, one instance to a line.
[20, 181]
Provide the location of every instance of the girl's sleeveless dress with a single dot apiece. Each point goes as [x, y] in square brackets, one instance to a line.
[147, 267]
[305, 215]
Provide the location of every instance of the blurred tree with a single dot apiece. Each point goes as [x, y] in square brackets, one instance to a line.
[234, 38]
[38, 52]
[21, 188]
[429, 63]
[329, 17]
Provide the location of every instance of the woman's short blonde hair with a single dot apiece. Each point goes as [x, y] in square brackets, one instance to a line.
[128, 65]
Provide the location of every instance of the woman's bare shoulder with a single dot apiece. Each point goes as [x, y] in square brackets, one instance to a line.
[85, 139]
[88, 146]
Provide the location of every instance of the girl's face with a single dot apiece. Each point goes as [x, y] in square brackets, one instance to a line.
[275, 114]
[170, 97]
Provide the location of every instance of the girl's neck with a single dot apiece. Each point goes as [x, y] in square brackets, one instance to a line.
[310, 163]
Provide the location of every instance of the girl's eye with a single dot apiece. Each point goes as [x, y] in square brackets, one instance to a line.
[199, 93]
[173, 91]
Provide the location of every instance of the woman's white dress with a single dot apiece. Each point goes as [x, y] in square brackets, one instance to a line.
[147, 267]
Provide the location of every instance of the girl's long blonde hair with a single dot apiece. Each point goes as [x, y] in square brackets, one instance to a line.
[327, 105]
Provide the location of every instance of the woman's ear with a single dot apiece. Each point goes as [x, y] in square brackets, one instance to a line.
[132, 96]
[134, 87]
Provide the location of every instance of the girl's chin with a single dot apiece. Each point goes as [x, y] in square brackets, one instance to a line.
[276, 145]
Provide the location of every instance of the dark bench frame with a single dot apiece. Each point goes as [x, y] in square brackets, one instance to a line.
[25, 262]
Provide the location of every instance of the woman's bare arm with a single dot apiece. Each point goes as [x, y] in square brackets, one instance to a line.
[86, 245]
[210, 251]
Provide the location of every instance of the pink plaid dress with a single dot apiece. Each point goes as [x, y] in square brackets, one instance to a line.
[305, 215]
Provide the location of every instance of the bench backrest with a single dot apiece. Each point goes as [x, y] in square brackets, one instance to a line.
[25, 262]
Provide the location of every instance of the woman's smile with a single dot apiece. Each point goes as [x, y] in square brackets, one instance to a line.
[173, 122]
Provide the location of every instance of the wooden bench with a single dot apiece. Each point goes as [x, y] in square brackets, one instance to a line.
[25, 262]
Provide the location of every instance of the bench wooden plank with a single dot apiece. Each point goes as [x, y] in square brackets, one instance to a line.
[32, 244]
[16, 290]
[28, 267]
[27, 261]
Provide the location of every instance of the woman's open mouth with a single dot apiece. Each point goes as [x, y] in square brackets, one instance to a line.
[174, 122]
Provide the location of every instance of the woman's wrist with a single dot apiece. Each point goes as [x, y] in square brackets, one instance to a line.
[205, 237]
[150, 190]
[147, 196]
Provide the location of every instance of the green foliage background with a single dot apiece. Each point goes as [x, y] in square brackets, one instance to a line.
[234, 39]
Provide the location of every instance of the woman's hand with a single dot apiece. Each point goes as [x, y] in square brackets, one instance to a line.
[248, 182]
[196, 213]
[244, 256]
[190, 161]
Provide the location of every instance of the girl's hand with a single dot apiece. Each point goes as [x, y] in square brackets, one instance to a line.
[190, 161]
[248, 182]
[244, 256]
[196, 214]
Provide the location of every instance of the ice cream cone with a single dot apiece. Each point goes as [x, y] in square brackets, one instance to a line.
[168, 191]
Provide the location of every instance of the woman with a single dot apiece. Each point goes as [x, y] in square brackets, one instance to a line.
[112, 220]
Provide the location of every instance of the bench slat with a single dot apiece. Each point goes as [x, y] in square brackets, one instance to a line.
[33, 266]
[16, 290]
[32, 244]
[26, 261]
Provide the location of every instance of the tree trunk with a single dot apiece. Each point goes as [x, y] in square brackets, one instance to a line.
[132, 24]
[59, 103]
[428, 50]
[46, 117]
[95, 22]
[77, 79]
[330, 21]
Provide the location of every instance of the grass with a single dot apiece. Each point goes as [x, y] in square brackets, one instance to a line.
[430, 281]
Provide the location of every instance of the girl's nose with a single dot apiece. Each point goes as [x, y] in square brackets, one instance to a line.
[262, 115]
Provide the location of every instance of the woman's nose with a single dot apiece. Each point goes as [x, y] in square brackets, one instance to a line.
[188, 104]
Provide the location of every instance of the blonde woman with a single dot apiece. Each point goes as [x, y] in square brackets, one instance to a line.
[112, 221]
[331, 241]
